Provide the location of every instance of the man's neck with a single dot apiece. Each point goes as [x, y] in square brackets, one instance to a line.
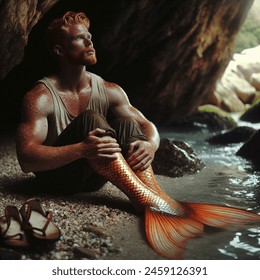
[72, 77]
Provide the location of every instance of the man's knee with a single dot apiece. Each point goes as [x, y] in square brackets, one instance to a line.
[125, 122]
[92, 120]
[128, 130]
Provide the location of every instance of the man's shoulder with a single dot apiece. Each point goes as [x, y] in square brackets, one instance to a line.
[38, 96]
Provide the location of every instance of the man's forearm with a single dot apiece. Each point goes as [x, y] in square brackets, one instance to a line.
[152, 135]
[35, 158]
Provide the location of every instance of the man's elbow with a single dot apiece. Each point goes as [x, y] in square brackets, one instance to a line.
[25, 167]
[24, 162]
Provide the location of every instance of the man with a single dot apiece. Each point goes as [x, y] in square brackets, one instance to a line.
[64, 123]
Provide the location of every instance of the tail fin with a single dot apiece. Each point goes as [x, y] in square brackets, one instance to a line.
[219, 216]
[168, 234]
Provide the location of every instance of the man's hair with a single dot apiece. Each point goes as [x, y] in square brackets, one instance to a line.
[54, 29]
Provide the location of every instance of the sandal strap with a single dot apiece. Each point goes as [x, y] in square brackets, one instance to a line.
[28, 226]
[8, 221]
[7, 237]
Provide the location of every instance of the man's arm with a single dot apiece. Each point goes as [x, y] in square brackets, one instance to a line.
[141, 152]
[34, 156]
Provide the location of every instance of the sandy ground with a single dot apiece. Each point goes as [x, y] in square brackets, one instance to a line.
[104, 225]
[98, 225]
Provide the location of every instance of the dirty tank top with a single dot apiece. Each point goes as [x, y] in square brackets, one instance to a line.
[61, 117]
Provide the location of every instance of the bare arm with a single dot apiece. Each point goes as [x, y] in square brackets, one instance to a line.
[141, 152]
[34, 156]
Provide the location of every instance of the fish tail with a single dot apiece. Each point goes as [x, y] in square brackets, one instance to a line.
[219, 216]
[168, 234]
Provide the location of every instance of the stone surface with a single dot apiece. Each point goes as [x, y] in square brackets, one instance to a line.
[235, 135]
[204, 119]
[163, 59]
[240, 81]
[175, 159]
[251, 149]
[17, 18]
[252, 114]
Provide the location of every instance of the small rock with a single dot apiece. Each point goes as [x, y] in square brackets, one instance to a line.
[83, 252]
[98, 231]
[175, 158]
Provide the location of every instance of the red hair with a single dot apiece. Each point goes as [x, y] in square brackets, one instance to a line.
[55, 27]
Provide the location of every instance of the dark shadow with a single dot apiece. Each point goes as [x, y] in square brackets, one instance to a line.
[28, 187]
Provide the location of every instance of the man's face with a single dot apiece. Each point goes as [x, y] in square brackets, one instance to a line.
[77, 46]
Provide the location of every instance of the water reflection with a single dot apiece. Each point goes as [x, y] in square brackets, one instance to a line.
[243, 244]
[229, 180]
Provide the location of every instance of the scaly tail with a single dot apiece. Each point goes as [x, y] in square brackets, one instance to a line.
[168, 234]
[169, 224]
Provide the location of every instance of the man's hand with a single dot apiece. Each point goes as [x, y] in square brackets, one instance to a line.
[141, 155]
[98, 144]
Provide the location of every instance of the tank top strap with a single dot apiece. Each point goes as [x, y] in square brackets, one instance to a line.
[99, 99]
[61, 117]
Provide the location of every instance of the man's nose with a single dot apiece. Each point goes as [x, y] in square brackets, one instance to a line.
[88, 42]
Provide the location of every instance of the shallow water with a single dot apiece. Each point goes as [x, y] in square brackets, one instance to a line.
[227, 179]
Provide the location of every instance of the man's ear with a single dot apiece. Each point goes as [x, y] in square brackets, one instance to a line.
[57, 50]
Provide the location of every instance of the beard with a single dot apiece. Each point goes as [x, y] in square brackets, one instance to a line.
[84, 58]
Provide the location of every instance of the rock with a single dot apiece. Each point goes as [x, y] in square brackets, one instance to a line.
[17, 18]
[255, 80]
[235, 135]
[252, 114]
[175, 159]
[83, 252]
[240, 81]
[207, 117]
[234, 90]
[251, 149]
[174, 60]
[98, 231]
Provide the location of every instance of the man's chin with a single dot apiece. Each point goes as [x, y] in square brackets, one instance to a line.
[91, 61]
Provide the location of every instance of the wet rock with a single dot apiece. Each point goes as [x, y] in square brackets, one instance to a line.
[206, 120]
[252, 114]
[175, 159]
[235, 135]
[251, 149]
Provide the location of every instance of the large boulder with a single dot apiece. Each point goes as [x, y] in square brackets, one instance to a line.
[163, 60]
[175, 159]
[240, 81]
[17, 18]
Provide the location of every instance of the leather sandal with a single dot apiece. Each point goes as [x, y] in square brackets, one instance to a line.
[11, 230]
[38, 221]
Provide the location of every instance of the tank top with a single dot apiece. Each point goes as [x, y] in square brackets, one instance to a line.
[61, 117]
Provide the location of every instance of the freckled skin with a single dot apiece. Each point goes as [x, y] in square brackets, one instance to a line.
[74, 53]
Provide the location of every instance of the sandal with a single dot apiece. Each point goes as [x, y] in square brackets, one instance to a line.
[38, 221]
[11, 231]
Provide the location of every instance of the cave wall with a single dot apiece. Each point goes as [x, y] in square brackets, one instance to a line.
[166, 54]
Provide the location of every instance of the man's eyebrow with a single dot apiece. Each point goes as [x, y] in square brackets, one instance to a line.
[80, 34]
